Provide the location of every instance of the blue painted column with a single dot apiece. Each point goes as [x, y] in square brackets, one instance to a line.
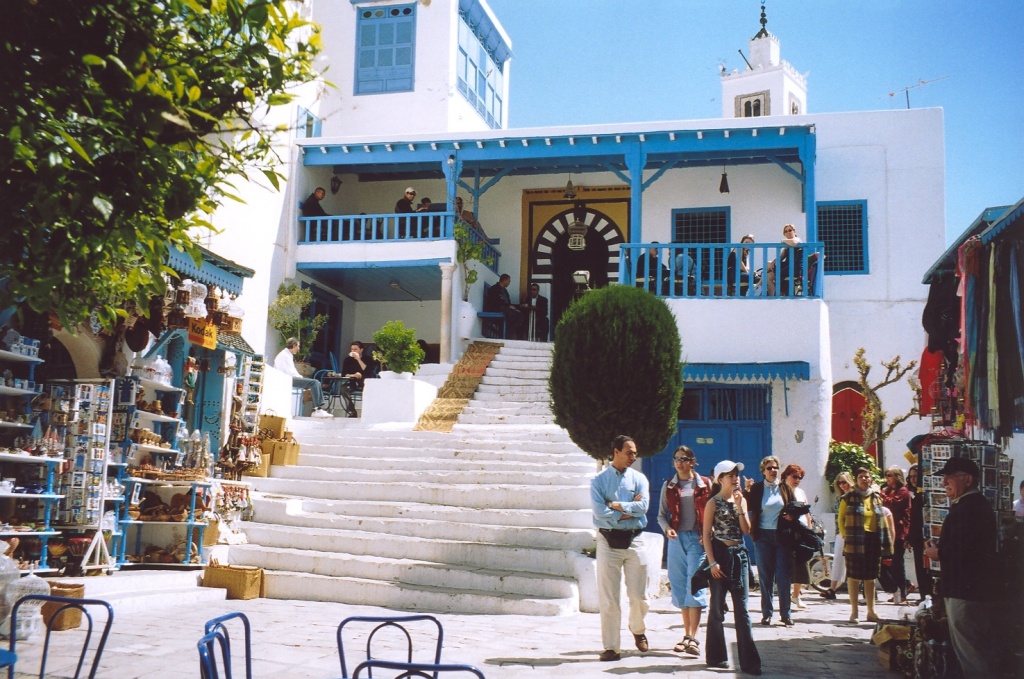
[807, 158]
[635, 159]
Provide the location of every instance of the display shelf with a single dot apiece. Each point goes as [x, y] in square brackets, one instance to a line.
[14, 391]
[154, 417]
[12, 357]
[14, 425]
[29, 533]
[193, 526]
[33, 496]
[147, 448]
[29, 459]
[26, 571]
[158, 386]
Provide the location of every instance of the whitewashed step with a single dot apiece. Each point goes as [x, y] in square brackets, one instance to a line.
[133, 590]
[557, 562]
[407, 571]
[506, 419]
[540, 439]
[494, 495]
[539, 380]
[507, 408]
[519, 392]
[480, 462]
[556, 453]
[569, 518]
[420, 476]
[520, 375]
[309, 587]
[454, 528]
[540, 397]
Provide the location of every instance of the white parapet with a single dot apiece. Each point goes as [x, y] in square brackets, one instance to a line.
[396, 400]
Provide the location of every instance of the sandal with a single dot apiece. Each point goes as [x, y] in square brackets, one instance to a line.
[682, 645]
[694, 647]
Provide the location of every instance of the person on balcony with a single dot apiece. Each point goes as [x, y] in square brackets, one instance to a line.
[778, 271]
[740, 260]
[469, 218]
[497, 299]
[651, 273]
[285, 362]
[404, 206]
[311, 206]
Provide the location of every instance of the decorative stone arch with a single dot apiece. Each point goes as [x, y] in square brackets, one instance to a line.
[552, 263]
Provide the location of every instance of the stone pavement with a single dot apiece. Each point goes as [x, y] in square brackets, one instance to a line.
[296, 639]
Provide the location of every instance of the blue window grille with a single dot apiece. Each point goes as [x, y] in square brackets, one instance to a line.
[479, 76]
[307, 125]
[843, 228]
[745, 403]
[703, 225]
[385, 49]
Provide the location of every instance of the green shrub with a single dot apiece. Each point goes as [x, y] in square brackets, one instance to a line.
[616, 369]
[397, 348]
[845, 457]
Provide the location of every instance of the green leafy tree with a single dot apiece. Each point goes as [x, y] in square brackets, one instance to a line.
[873, 415]
[287, 314]
[468, 250]
[616, 369]
[397, 348]
[123, 124]
[845, 457]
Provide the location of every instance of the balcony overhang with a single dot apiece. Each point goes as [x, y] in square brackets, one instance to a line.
[380, 281]
[746, 372]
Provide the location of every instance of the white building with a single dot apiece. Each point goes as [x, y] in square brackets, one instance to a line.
[422, 98]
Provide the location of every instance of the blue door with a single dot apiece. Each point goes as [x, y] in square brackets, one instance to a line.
[717, 422]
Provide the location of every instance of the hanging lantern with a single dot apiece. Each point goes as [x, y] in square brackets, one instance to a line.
[578, 228]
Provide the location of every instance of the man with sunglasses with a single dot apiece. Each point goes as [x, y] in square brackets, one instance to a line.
[681, 517]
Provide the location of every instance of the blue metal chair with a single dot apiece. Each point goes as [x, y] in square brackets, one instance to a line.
[216, 637]
[388, 623]
[62, 604]
[409, 670]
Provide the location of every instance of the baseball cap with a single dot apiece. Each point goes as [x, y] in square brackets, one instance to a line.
[410, 190]
[960, 464]
[726, 466]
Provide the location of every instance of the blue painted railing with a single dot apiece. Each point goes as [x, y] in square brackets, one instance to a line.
[388, 228]
[703, 270]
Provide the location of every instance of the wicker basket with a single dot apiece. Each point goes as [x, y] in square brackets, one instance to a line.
[70, 618]
[241, 582]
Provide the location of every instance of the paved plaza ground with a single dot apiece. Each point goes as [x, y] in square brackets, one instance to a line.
[297, 639]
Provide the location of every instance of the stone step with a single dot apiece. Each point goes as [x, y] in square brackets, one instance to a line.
[447, 478]
[516, 392]
[315, 454]
[569, 518]
[506, 419]
[506, 408]
[493, 495]
[134, 590]
[480, 462]
[538, 560]
[508, 362]
[310, 587]
[405, 571]
[460, 528]
[536, 379]
[556, 444]
[520, 375]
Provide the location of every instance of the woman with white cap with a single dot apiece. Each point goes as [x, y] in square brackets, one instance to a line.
[725, 524]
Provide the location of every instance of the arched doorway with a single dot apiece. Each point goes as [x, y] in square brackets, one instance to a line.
[847, 406]
[552, 261]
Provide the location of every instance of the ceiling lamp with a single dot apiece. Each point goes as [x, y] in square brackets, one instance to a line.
[578, 228]
[570, 192]
[723, 186]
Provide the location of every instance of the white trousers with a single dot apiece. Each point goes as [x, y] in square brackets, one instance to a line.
[612, 565]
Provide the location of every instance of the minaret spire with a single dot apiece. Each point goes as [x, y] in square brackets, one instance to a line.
[763, 33]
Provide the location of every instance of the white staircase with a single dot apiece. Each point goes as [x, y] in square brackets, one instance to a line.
[490, 518]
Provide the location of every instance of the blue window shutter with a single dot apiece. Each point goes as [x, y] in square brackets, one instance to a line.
[387, 49]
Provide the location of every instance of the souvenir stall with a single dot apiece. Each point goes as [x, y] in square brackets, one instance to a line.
[972, 390]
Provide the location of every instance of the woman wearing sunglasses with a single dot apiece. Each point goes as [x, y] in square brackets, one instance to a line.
[774, 562]
[681, 517]
[896, 497]
[792, 475]
[843, 484]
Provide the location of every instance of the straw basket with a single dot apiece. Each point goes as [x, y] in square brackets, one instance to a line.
[241, 582]
[70, 618]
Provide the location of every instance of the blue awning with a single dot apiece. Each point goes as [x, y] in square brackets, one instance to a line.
[747, 372]
[215, 270]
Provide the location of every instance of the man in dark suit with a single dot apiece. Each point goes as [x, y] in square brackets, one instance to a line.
[536, 308]
[497, 299]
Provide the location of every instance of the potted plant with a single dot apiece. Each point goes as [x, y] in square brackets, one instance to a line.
[468, 250]
[397, 348]
[287, 316]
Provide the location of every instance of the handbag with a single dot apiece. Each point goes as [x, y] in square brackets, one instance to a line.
[701, 578]
[619, 539]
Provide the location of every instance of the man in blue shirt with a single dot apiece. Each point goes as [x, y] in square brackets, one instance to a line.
[619, 497]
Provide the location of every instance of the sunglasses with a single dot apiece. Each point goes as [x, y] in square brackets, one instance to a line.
[683, 459]
[798, 478]
[771, 469]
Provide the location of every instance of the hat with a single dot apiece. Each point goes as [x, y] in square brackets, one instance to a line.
[960, 464]
[410, 190]
[726, 466]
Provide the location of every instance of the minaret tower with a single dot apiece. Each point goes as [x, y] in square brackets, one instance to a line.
[768, 86]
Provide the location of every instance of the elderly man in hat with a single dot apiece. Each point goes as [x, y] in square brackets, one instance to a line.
[966, 550]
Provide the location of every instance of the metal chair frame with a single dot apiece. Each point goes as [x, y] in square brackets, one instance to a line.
[216, 631]
[385, 622]
[409, 670]
[63, 604]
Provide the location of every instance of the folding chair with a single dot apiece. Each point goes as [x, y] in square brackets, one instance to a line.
[216, 631]
[389, 623]
[409, 670]
[63, 605]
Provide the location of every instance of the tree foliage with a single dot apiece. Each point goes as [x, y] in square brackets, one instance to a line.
[397, 348]
[873, 416]
[845, 457]
[123, 124]
[616, 369]
[287, 315]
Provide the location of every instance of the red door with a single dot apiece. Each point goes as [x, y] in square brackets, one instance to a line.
[847, 405]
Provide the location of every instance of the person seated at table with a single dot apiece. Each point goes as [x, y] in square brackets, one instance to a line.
[686, 270]
[354, 365]
[497, 299]
[285, 362]
[782, 280]
[405, 206]
[745, 278]
[651, 274]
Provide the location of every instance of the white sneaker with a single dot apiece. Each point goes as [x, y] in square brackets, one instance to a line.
[321, 413]
[797, 604]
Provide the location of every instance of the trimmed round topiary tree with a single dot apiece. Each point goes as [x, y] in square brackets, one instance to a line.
[616, 369]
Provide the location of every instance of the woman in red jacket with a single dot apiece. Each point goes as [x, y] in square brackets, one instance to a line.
[681, 516]
[898, 498]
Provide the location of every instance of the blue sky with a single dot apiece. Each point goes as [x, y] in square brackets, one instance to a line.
[605, 61]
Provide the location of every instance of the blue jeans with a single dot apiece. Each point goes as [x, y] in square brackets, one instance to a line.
[736, 567]
[684, 556]
[774, 567]
[313, 386]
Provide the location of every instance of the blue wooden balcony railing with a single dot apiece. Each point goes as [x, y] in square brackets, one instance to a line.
[387, 228]
[710, 270]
